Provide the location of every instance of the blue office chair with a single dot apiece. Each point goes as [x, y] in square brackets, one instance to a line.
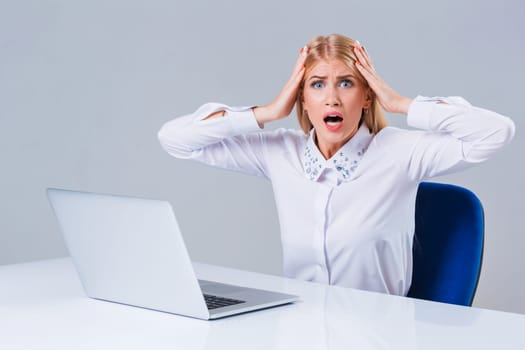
[448, 244]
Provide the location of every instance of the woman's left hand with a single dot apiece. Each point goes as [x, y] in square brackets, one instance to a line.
[387, 97]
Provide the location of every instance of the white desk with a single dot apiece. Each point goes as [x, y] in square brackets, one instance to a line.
[42, 306]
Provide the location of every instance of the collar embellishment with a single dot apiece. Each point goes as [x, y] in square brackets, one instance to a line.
[345, 161]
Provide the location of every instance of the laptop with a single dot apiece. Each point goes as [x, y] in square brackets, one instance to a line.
[131, 251]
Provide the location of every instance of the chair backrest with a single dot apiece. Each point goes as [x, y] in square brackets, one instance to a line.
[448, 244]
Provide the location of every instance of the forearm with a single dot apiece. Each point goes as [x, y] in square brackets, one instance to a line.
[263, 115]
[480, 131]
[403, 105]
[209, 124]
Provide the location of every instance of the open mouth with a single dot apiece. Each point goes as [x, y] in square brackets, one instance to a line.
[333, 122]
[333, 119]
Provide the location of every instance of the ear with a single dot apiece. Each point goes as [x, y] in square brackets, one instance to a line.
[368, 99]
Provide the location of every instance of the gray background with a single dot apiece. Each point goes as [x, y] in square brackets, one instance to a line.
[85, 85]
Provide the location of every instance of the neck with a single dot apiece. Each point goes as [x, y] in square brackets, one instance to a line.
[328, 149]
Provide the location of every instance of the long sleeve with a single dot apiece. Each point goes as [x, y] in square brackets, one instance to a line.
[455, 135]
[229, 142]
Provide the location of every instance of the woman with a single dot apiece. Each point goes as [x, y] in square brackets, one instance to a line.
[345, 185]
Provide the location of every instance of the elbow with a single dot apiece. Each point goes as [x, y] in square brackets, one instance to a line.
[508, 131]
[162, 136]
[485, 147]
[502, 133]
[168, 139]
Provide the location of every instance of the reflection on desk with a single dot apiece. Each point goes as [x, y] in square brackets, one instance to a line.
[42, 305]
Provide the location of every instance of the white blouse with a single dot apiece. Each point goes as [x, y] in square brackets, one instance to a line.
[348, 220]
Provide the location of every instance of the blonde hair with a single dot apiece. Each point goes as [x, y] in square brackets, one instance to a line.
[340, 47]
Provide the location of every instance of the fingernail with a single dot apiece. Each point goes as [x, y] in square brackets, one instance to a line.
[358, 43]
[304, 49]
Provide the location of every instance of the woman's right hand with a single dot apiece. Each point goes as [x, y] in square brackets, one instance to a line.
[283, 104]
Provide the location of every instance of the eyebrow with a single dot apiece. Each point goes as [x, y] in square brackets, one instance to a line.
[324, 77]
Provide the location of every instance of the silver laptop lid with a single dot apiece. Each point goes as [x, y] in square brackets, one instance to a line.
[114, 243]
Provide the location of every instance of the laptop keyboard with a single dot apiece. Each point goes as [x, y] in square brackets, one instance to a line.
[214, 302]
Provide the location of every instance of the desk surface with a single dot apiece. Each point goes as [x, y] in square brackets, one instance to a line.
[43, 306]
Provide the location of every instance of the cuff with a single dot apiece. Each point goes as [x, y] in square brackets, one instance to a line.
[241, 119]
[422, 110]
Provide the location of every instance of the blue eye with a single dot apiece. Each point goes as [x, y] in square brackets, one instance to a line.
[317, 84]
[346, 83]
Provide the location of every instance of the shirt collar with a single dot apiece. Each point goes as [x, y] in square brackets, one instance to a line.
[345, 161]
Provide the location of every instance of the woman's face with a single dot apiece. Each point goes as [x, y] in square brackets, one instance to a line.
[334, 99]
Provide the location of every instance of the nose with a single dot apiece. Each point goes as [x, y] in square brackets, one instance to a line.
[332, 97]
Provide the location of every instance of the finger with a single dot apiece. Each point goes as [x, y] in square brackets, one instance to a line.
[369, 75]
[362, 54]
[299, 63]
[298, 71]
[381, 90]
[363, 51]
[296, 77]
[363, 68]
[366, 55]
[362, 57]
